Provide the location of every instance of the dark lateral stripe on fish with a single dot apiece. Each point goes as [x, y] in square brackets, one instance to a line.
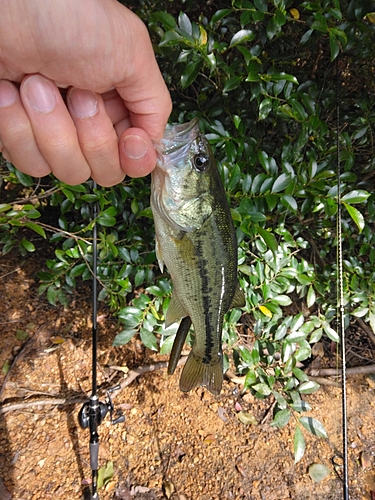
[207, 303]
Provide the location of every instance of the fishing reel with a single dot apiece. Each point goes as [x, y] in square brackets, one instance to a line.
[97, 411]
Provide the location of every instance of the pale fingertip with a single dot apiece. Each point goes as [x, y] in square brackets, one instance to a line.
[8, 94]
[83, 103]
[137, 154]
[40, 93]
[135, 147]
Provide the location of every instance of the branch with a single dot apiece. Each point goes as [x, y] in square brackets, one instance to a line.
[132, 375]
[332, 372]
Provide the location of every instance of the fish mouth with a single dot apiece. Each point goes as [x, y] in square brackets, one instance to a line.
[176, 142]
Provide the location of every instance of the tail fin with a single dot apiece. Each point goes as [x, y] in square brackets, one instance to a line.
[196, 373]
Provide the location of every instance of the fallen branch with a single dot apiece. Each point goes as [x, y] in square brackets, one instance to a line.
[132, 375]
[325, 381]
[332, 372]
[40, 402]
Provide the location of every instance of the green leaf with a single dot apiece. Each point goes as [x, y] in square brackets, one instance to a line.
[308, 387]
[334, 45]
[300, 375]
[106, 220]
[281, 183]
[36, 228]
[331, 333]
[247, 418]
[6, 367]
[190, 73]
[219, 15]
[318, 472]
[124, 337]
[281, 419]
[21, 335]
[355, 196]
[24, 179]
[78, 270]
[165, 19]
[262, 389]
[311, 297]
[167, 344]
[149, 339]
[288, 201]
[27, 245]
[314, 426]
[232, 83]
[242, 36]
[185, 23]
[105, 474]
[272, 27]
[265, 108]
[68, 193]
[299, 445]
[282, 300]
[4, 207]
[300, 406]
[268, 237]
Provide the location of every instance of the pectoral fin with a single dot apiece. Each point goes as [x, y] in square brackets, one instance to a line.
[175, 311]
[159, 254]
[178, 344]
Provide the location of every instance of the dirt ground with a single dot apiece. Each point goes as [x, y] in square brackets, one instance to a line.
[172, 445]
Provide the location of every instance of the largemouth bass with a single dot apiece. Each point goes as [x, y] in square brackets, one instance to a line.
[196, 240]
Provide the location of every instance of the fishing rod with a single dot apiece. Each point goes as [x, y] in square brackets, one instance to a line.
[94, 411]
[340, 299]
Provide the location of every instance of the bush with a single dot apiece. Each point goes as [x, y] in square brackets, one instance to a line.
[264, 78]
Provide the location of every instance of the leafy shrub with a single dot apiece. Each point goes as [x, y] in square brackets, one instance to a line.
[264, 78]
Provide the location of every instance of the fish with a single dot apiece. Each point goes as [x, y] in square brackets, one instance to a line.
[196, 241]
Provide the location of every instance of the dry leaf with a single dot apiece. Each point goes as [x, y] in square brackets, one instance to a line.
[168, 488]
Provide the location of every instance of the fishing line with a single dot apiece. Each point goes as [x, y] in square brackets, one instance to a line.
[340, 297]
[93, 412]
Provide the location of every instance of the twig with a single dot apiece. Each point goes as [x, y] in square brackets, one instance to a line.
[133, 374]
[367, 329]
[40, 336]
[10, 272]
[325, 381]
[41, 402]
[355, 370]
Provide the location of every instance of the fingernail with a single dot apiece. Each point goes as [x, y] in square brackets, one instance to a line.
[8, 94]
[40, 94]
[134, 146]
[84, 103]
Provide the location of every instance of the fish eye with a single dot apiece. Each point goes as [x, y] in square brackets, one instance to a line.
[200, 162]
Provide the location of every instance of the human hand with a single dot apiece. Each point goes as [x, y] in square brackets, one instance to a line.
[116, 103]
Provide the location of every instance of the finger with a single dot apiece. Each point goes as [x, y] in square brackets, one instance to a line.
[114, 106]
[137, 153]
[144, 91]
[16, 134]
[54, 129]
[96, 136]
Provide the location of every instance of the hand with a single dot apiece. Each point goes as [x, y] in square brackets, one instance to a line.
[116, 103]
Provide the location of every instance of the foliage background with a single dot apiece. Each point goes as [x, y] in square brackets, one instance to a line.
[265, 80]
